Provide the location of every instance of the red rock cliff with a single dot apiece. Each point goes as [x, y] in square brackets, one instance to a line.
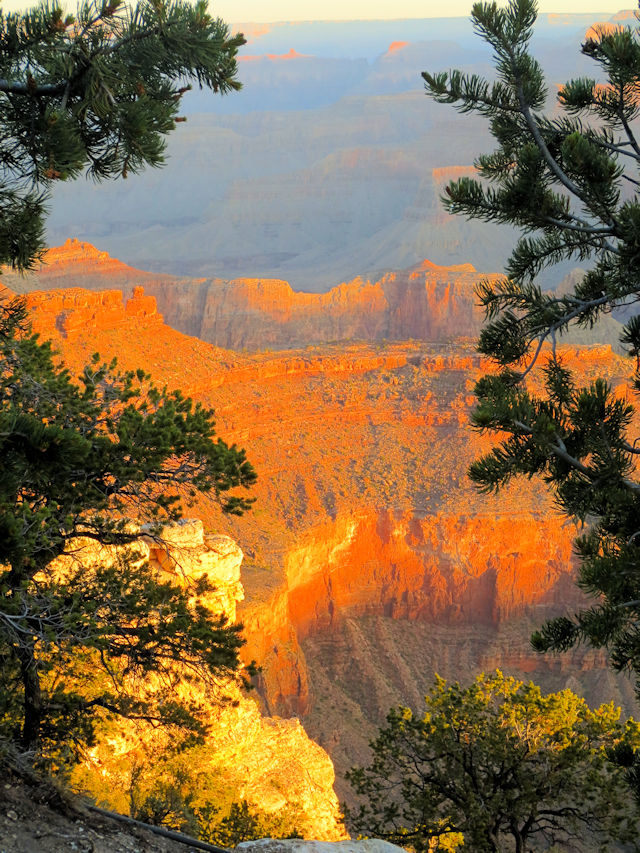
[426, 302]
[364, 513]
[77, 312]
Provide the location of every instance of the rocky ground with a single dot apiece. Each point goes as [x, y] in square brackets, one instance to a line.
[41, 819]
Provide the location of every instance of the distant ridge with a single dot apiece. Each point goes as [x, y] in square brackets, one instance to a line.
[283, 57]
[423, 302]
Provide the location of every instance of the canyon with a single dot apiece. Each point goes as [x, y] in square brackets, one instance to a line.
[290, 291]
[426, 302]
[370, 562]
[275, 181]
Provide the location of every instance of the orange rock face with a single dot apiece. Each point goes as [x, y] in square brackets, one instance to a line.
[279, 57]
[395, 46]
[605, 28]
[451, 569]
[370, 562]
[444, 174]
[79, 312]
[426, 302]
[76, 257]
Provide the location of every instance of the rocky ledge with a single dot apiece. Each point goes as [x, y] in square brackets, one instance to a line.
[269, 761]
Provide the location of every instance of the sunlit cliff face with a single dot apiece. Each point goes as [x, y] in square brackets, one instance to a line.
[451, 569]
[426, 302]
[370, 562]
[271, 762]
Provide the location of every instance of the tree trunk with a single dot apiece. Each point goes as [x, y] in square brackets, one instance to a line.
[25, 651]
[492, 839]
[32, 695]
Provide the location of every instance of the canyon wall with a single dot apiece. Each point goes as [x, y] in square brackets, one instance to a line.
[75, 312]
[426, 302]
[269, 761]
[451, 569]
[370, 561]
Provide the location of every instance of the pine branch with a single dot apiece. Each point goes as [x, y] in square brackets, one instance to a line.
[592, 230]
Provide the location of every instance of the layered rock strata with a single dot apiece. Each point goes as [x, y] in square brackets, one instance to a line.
[268, 761]
[77, 312]
[426, 302]
[370, 561]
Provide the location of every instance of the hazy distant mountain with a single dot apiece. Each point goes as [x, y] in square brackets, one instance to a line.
[356, 39]
[354, 56]
[321, 168]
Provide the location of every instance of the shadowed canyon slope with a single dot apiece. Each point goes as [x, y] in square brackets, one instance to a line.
[370, 562]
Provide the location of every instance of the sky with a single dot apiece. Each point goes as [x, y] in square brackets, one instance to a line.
[309, 10]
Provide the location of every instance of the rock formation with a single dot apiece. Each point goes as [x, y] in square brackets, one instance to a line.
[274, 57]
[268, 761]
[426, 302]
[182, 550]
[79, 264]
[370, 562]
[79, 311]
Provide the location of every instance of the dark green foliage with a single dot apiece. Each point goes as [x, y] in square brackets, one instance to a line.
[83, 459]
[241, 824]
[247, 823]
[497, 766]
[95, 93]
[570, 182]
[176, 802]
[170, 803]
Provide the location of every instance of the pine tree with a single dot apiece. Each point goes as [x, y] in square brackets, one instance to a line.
[497, 766]
[570, 183]
[86, 458]
[95, 93]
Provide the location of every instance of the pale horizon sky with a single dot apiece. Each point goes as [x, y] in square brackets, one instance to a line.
[265, 11]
